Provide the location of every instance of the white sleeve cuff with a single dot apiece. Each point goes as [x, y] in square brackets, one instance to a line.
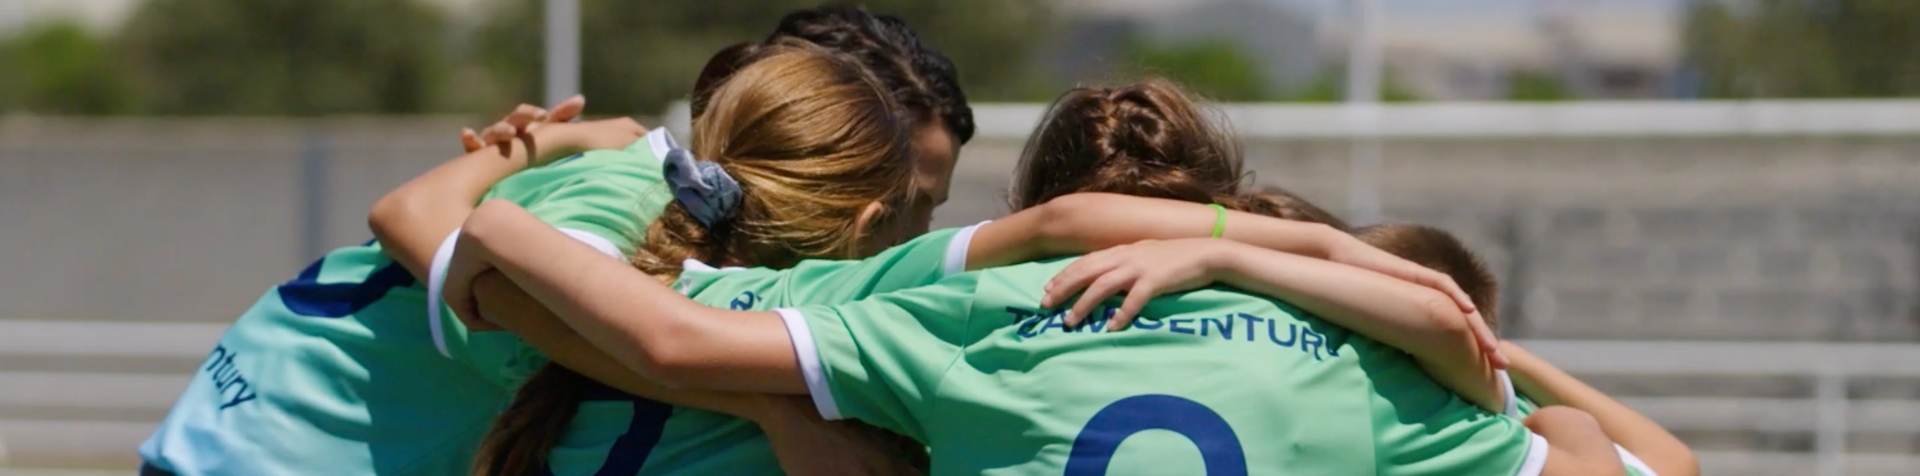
[436, 281]
[1634, 462]
[1513, 397]
[659, 140]
[957, 249]
[437, 278]
[809, 357]
[599, 244]
[1536, 455]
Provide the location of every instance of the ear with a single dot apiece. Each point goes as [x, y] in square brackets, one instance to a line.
[869, 216]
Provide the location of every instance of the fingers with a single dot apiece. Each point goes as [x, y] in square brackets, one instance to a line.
[1071, 280]
[470, 140]
[567, 110]
[525, 114]
[1105, 287]
[1489, 343]
[1130, 308]
[500, 134]
[1443, 283]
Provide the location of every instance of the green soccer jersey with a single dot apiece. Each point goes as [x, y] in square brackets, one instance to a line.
[340, 372]
[1519, 407]
[616, 434]
[1208, 382]
[604, 198]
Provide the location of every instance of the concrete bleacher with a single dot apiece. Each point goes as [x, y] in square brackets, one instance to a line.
[127, 245]
[1794, 271]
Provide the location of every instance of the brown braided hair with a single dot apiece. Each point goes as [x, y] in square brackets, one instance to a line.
[1148, 139]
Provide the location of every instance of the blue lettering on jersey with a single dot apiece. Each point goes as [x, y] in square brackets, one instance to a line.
[226, 376]
[1224, 324]
[1056, 320]
[1310, 343]
[1030, 323]
[1293, 334]
[1099, 322]
[1251, 321]
[745, 302]
[1019, 314]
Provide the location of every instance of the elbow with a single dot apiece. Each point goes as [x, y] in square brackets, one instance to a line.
[1055, 219]
[1681, 463]
[387, 214]
[670, 354]
[489, 220]
[667, 363]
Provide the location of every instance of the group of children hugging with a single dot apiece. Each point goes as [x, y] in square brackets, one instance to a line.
[764, 296]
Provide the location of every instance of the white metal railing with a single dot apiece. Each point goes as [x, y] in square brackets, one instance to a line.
[1366, 124]
[1014, 121]
[1830, 414]
[1490, 120]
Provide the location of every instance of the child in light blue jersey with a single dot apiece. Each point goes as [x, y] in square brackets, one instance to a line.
[319, 376]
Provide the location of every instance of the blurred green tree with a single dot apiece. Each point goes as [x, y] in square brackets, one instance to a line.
[1332, 87]
[300, 57]
[60, 68]
[1804, 48]
[638, 56]
[1217, 69]
[1536, 86]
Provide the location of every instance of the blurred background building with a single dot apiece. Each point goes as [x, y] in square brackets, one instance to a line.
[1708, 207]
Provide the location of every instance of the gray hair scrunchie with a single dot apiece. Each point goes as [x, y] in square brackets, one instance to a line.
[705, 189]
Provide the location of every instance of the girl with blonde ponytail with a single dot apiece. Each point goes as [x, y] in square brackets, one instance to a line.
[797, 154]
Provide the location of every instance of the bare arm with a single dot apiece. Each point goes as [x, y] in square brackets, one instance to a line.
[1086, 222]
[1576, 445]
[506, 304]
[1416, 319]
[1548, 385]
[411, 221]
[640, 322]
[1421, 321]
[805, 443]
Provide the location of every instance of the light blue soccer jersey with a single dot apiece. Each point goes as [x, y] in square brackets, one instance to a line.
[340, 372]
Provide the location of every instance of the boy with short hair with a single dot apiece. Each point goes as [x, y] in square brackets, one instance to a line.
[1539, 382]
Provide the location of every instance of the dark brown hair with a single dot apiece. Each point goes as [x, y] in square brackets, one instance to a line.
[1440, 251]
[811, 139]
[1279, 203]
[922, 81]
[1148, 139]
